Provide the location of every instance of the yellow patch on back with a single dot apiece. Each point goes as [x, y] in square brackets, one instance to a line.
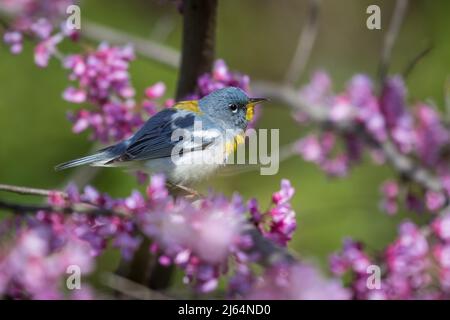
[232, 146]
[191, 105]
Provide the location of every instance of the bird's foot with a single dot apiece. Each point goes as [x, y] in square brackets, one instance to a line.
[187, 192]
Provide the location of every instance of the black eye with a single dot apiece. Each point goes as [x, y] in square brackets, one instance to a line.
[233, 108]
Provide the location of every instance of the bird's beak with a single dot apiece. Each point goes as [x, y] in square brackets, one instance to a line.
[253, 101]
[251, 107]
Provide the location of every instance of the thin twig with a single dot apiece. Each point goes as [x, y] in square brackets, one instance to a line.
[163, 28]
[416, 60]
[131, 289]
[30, 191]
[24, 208]
[144, 47]
[390, 38]
[81, 207]
[305, 43]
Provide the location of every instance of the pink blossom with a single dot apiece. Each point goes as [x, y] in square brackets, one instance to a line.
[155, 91]
[14, 40]
[431, 135]
[42, 28]
[278, 223]
[442, 254]
[434, 200]
[441, 226]
[296, 282]
[45, 49]
[310, 149]
[318, 91]
[74, 95]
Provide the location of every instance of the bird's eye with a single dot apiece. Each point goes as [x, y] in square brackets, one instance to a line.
[233, 108]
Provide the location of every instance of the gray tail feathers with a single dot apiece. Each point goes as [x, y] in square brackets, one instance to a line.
[101, 157]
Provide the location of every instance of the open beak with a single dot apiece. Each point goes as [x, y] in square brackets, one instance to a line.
[251, 107]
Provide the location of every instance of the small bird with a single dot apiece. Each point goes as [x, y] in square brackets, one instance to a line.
[186, 143]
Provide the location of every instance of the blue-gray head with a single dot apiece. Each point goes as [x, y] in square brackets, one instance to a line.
[231, 106]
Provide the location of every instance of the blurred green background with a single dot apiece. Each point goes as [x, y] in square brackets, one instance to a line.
[256, 37]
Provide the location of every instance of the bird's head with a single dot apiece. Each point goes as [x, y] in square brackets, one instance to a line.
[231, 105]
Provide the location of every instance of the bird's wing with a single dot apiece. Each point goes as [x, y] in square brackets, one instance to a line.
[155, 138]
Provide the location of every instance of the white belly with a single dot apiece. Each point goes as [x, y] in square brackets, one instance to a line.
[190, 167]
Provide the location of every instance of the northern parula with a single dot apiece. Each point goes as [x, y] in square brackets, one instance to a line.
[187, 142]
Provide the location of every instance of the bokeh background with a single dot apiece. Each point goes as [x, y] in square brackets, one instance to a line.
[256, 37]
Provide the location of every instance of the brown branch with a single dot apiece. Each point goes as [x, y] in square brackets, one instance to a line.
[81, 207]
[131, 289]
[270, 253]
[30, 191]
[390, 38]
[305, 43]
[199, 32]
[24, 208]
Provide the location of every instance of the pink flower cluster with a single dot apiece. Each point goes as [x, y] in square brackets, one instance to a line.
[296, 282]
[206, 239]
[219, 78]
[38, 19]
[416, 132]
[392, 192]
[35, 265]
[317, 148]
[408, 265]
[103, 81]
[200, 238]
[278, 222]
[352, 258]
[441, 251]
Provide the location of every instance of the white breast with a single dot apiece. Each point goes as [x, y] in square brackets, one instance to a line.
[191, 166]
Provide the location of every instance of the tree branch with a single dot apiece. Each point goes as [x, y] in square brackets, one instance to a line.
[390, 38]
[199, 32]
[305, 43]
[30, 191]
[144, 47]
[131, 289]
[410, 66]
[81, 207]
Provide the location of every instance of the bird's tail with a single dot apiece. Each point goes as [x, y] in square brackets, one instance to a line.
[97, 159]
